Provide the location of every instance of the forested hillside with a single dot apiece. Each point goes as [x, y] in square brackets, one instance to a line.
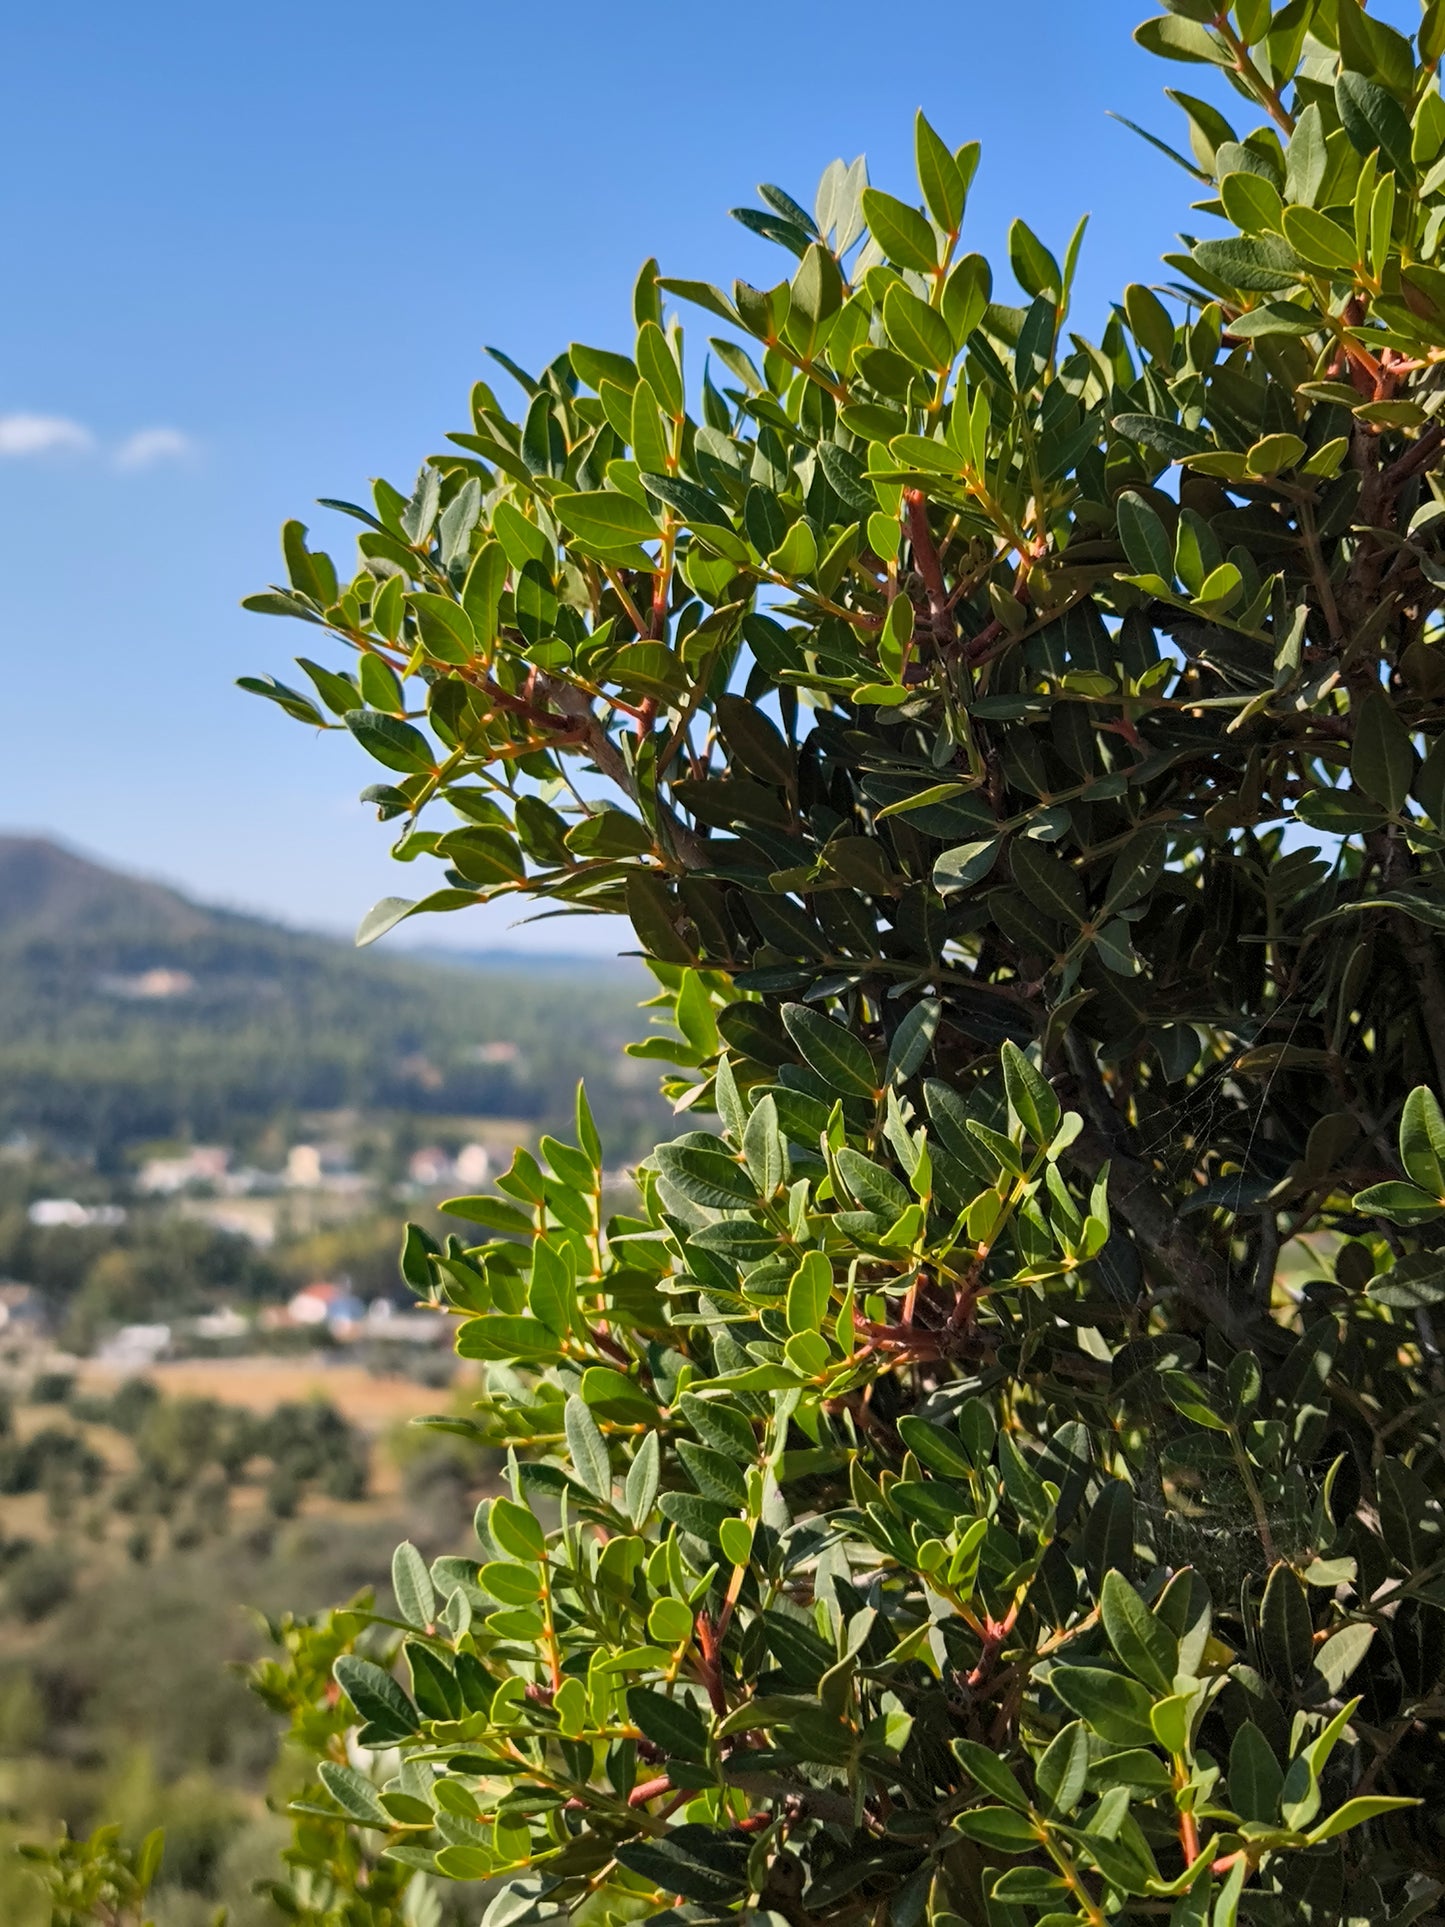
[128, 1013]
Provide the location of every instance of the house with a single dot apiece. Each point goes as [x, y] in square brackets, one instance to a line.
[134, 1347]
[224, 1324]
[332, 1305]
[145, 985]
[473, 1165]
[394, 1324]
[163, 1177]
[52, 1214]
[22, 1313]
[431, 1166]
[321, 1167]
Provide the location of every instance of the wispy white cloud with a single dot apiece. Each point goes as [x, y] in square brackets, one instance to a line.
[149, 446]
[25, 435]
[42, 435]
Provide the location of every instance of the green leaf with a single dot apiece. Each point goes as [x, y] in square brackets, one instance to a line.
[588, 1449]
[693, 504]
[1034, 267]
[713, 1179]
[482, 591]
[1030, 1887]
[901, 231]
[1340, 1657]
[817, 290]
[966, 865]
[1319, 240]
[1135, 871]
[999, 1827]
[420, 513]
[411, 1583]
[300, 707]
[1401, 1203]
[1411, 1282]
[673, 1724]
[1062, 1771]
[918, 332]
[1116, 1708]
[1143, 1642]
[1180, 39]
[354, 1794]
[1257, 263]
[702, 1517]
[1146, 541]
[1354, 1813]
[1306, 157]
[514, 1585]
[1170, 1721]
[1382, 759]
[839, 1058]
[1340, 812]
[689, 1860]
[644, 1477]
[658, 367]
[669, 1621]
[763, 1150]
[1375, 121]
[1169, 438]
[735, 1536]
[721, 1427]
[515, 1530]
[1048, 881]
[1030, 1095]
[713, 1473]
[391, 741]
[937, 1449]
[989, 1771]
[810, 1293]
[605, 519]
[1422, 1141]
[939, 175]
[1251, 201]
[1256, 1778]
[1286, 1629]
[446, 632]
[913, 1040]
[380, 1701]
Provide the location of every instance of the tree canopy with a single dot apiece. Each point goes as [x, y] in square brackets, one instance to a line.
[994, 1473]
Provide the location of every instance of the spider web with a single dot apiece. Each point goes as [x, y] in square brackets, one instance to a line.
[1204, 1515]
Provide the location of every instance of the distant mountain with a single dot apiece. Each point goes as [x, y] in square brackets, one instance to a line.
[129, 1013]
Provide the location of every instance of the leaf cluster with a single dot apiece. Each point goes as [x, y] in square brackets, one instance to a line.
[993, 1474]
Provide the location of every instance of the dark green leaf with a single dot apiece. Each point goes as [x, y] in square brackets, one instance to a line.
[839, 1058]
[1115, 1707]
[380, 1701]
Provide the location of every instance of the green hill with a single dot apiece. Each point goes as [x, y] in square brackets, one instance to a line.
[128, 1013]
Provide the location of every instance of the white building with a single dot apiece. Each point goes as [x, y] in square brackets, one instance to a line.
[134, 1347]
[55, 1213]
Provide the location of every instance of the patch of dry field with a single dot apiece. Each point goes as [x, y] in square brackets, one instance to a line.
[371, 1401]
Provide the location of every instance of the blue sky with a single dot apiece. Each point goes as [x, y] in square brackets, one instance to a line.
[255, 254]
